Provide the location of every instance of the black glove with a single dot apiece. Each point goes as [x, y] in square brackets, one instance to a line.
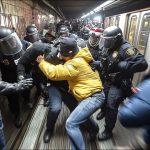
[23, 84]
[122, 66]
[96, 65]
[52, 56]
[20, 77]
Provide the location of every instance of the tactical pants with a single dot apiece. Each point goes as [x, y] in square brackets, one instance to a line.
[14, 105]
[115, 97]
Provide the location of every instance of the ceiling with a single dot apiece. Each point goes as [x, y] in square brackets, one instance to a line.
[75, 8]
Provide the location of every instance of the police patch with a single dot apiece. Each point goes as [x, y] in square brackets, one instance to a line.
[29, 46]
[115, 54]
[130, 52]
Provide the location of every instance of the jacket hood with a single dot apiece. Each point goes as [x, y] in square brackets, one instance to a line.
[84, 53]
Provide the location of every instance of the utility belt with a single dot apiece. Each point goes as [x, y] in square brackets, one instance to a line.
[119, 81]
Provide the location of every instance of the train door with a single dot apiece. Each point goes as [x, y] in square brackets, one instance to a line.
[143, 42]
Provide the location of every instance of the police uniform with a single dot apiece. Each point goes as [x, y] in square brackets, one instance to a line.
[11, 50]
[120, 79]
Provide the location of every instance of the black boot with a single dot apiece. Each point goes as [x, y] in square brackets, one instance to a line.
[18, 121]
[105, 135]
[100, 115]
[47, 136]
[93, 133]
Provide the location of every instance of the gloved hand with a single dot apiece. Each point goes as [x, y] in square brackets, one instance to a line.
[52, 56]
[23, 84]
[96, 65]
[122, 66]
[20, 77]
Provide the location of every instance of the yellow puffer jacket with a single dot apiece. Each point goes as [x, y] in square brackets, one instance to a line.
[83, 81]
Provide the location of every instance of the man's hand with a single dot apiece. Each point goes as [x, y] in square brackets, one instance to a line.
[40, 58]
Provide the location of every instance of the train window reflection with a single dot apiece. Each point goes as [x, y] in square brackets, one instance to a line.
[132, 29]
[117, 21]
[111, 21]
[144, 33]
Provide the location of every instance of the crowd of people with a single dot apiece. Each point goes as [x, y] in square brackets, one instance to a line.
[85, 67]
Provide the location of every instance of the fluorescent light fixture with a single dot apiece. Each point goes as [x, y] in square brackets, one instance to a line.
[102, 5]
[98, 8]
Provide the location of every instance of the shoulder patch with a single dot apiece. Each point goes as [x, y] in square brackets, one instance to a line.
[29, 46]
[130, 52]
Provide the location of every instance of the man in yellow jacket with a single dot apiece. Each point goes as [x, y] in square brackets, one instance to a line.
[84, 83]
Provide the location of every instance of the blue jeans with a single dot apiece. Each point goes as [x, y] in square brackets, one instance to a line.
[56, 97]
[81, 114]
[2, 138]
[136, 111]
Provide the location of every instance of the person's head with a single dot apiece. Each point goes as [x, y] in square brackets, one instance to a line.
[32, 33]
[50, 36]
[68, 48]
[10, 43]
[63, 31]
[94, 36]
[112, 37]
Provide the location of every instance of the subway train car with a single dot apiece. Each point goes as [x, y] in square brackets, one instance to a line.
[133, 17]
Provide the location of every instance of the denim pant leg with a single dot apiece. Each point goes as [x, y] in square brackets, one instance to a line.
[55, 104]
[2, 138]
[80, 114]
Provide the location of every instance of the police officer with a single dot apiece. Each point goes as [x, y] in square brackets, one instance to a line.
[64, 32]
[11, 49]
[32, 34]
[6, 88]
[122, 60]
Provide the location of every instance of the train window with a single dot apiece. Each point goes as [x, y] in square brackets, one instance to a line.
[117, 21]
[111, 21]
[144, 33]
[132, 29]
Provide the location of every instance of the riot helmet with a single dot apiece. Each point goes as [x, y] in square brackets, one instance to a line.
[94, 36]
[112, 37]
[32, 33]
[68, 47]
[63, 32]
[10, 43]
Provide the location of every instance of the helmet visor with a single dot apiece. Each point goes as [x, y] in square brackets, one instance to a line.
[10, 45]
[107, 42]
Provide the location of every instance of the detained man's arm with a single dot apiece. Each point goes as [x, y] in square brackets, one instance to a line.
[58, 72]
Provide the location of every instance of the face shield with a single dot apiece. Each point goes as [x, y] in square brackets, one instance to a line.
[107, 42]
[33, 37]
[10, 45]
